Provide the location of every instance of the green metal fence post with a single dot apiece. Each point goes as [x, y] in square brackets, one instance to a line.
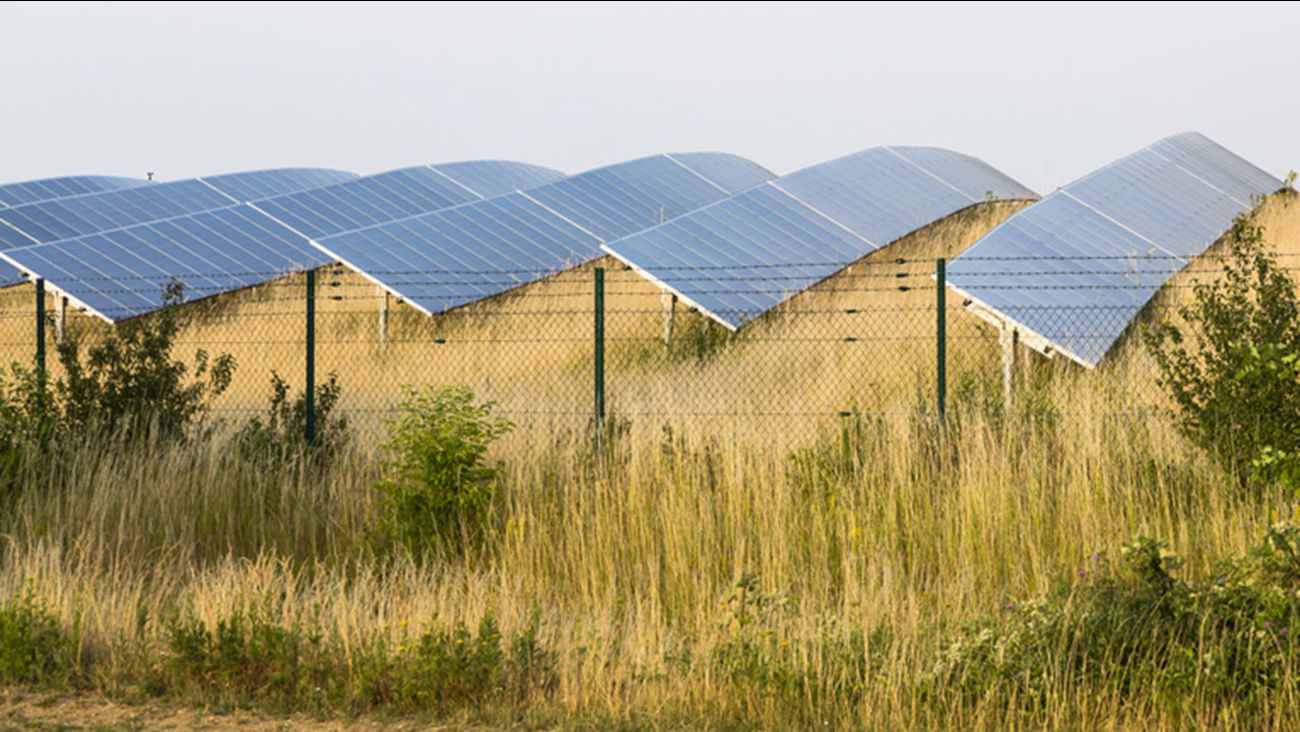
[40, 328]
[599, 350]
[941, 334]
[309, 394]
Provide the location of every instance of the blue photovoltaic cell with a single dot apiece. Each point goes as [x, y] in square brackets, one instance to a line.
[454, 257]
[1202, 157]
[741, 257]
[66, 218]
[1171, 209]
[32, 191]
[972, 176]
[398, 194]
[123, 273]
[731, 172]
[876, 193]
[464, 254]
[366, 201]
[619, 199]
[488, 178]
[1075, 268]
[252, 185]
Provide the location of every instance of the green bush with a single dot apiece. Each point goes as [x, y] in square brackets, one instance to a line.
[34, 648]
[1233, 367]
[281, 438]
[246, 659]
[445, 669]
[1138, 631]
[130, 385]
[440, 493]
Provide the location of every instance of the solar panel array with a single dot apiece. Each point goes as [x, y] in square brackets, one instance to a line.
[469, 252]
[31, 191]
[124, 272]
[1097, 250]
[121, 272]
[255, 184]
[743, 256]
[66, 218]
[398, 194]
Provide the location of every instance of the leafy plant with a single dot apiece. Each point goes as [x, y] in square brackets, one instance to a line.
[130, 385]
[282, 437]
[440, 491]
[34, 647]
[1139, 629]
[244, 658]
[1233, 366]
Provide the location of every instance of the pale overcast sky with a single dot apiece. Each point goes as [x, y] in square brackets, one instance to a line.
[1044, 92]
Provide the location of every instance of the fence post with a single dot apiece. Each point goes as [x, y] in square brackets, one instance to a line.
[40, 328]
[309, 395]
[599, 349]
[941, 335]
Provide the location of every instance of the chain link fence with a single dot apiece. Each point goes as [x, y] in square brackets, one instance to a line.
[599, 344]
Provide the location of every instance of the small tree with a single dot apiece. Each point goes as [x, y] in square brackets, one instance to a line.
[1233, 366]
[129, 383]
[440, 492]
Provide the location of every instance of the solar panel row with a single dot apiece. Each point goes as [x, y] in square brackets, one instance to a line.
[399, 194]
[124, 272]
[120, 271]
[16, 194]
[88, 213]
[1095, 252]
[454, 257]
[741, 257]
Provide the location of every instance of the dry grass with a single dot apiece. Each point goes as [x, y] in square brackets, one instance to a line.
[631, 565]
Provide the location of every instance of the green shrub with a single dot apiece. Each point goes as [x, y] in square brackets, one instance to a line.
[247, 659]
[440, 493]
[129, 384]
[34, 647]
[450, 668]
[281, 438]
[1138, 631]
[1238, 388]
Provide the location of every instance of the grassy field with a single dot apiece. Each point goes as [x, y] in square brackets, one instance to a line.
[704, 568]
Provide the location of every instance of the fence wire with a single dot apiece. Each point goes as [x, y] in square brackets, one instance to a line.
[864, 342]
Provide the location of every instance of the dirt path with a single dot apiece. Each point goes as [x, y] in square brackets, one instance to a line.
[22, 710]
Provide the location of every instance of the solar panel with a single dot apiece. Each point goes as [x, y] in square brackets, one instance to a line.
[71, 217]
[123, 265]
[376, 199]
[32, 191]
[65, 218]
[255, 184]
[616, 200]
[732, 172]
[487, 178]
[123, 273]
[1073, 270]
[450, 258]
[739, 258]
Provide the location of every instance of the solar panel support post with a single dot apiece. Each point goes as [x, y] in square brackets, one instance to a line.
[1007, 337]
[669, 301]
[383, 316]
[60, 319]
[941, 336]
[40, 329]
[598, 351]
[309, 391]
